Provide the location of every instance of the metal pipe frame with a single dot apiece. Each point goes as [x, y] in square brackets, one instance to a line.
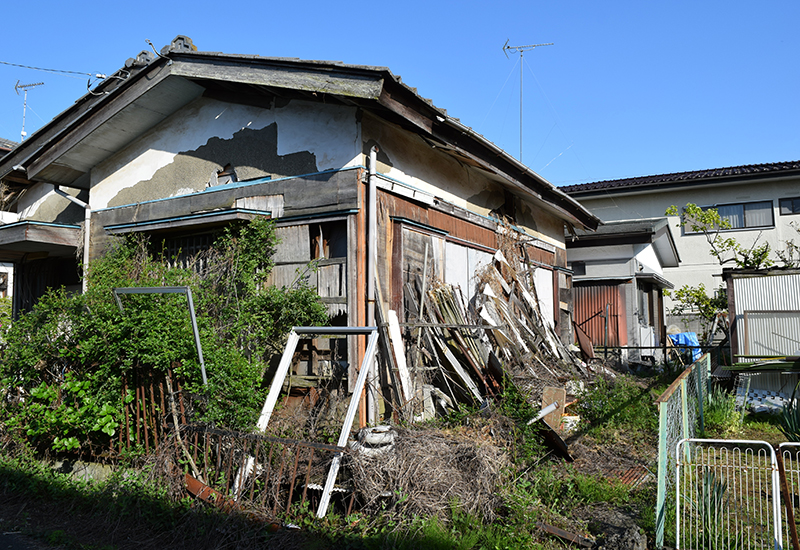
[169, 290]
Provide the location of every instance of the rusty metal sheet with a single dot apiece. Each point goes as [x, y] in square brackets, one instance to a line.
[566, 535]
[590, 312]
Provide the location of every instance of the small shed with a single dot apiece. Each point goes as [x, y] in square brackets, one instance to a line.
[618, 281]
[764, 308]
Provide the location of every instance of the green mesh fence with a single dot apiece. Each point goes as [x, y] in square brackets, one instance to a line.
[680, 416]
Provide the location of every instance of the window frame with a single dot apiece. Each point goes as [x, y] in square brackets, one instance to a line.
[688, 231]
[795, 204]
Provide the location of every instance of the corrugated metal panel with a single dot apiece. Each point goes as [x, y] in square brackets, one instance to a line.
[771, 305]
[590, 312]
[771, 333]
[775, 292]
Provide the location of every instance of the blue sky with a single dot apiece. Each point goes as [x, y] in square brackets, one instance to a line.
[629, 88]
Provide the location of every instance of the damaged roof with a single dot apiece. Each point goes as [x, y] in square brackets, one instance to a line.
[714, 176]
[150, 87]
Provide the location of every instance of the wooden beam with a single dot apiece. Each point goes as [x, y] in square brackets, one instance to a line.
[308, 79]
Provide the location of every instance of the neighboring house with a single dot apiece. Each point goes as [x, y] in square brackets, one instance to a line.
[179, 144]
[618, 283]
[760, 201]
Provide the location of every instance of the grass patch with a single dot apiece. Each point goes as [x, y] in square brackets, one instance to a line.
[721, 420]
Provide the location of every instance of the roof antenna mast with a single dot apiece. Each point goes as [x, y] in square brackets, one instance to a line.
[521, 50]
[25, 87]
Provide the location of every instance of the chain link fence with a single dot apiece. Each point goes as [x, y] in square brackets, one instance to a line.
[680, 414]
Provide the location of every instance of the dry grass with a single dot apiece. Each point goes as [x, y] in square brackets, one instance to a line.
[428, 472]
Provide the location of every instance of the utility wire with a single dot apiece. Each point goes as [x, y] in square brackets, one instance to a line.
[50, 70]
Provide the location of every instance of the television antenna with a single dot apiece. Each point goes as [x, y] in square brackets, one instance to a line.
[25, 88]
[521, 50]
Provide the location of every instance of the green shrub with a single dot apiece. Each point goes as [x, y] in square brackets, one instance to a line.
[615, 403]
[66, 362]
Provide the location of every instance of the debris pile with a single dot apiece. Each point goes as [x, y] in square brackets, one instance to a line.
[463, 352]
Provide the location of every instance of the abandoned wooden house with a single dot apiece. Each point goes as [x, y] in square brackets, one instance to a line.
[349, 162]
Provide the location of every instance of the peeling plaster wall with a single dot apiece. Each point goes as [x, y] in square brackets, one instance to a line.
[41, 203]
[409, 159]
[180, 155]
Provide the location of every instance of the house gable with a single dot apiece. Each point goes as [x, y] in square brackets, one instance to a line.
[185, 152]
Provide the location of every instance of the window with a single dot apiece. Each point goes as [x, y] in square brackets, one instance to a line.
[790, 206]
[745, 215]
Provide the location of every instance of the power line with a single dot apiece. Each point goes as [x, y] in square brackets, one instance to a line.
[51, 70]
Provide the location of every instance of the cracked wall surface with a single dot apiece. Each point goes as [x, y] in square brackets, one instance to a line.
[181, 155]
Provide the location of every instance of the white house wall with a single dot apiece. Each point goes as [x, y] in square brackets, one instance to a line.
[645, 254]
[697, 264]
[461, 265]
[180, 155]
[41, 203]
[543, 279]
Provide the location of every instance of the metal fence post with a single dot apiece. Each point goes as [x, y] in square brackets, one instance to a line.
[685, 414]
[700, 396]
[661, 497]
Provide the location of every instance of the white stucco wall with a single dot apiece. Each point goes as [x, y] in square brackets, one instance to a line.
[645, 254]
[33, 197]
[329, 132]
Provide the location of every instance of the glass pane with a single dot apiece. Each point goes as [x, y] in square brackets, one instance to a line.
[787, 206]
[734, 213]
[758, 214]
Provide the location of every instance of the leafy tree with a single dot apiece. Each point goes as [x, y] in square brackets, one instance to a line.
[790, 256]
[709, 223]
[695, 300]
[724, 249]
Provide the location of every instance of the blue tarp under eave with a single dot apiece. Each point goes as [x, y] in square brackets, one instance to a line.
[687, 340]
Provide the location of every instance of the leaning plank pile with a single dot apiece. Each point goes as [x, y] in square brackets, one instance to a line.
[458, 352]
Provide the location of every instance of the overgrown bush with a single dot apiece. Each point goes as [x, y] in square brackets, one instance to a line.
[790, 419]
[65, 363]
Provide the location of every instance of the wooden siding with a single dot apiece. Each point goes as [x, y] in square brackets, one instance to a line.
[455, 227]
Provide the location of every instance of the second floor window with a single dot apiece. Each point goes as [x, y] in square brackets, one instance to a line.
[790, 206]
[745, 215]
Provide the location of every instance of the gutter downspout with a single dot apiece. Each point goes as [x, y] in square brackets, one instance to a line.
[87, 217]
[372, 261]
